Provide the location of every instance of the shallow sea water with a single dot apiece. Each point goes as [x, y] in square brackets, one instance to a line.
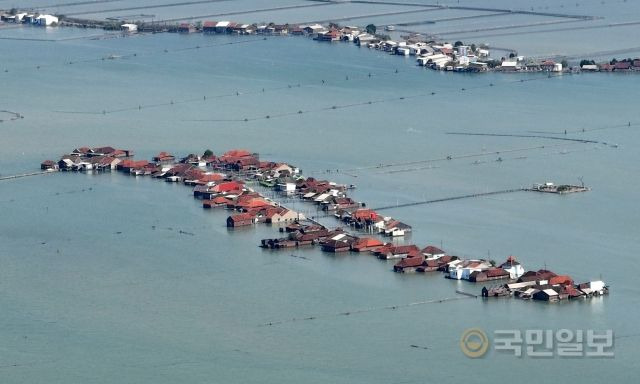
[99, 284]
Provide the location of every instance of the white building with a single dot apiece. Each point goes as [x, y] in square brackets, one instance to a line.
[46, 20]
[463, 50]
[509, 66]
[432, 59]
[463, 60]
[129, 27]
[590, 67]
[513, 267]
[463, 270]
[597, 286]
[403, 51]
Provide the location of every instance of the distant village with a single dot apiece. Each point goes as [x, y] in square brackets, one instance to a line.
[224, 182]
[444, 56]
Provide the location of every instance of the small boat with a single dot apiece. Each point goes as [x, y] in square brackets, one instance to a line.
[390, 28]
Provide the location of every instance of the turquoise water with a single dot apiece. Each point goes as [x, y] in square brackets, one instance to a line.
[601, 37]
[98, 284]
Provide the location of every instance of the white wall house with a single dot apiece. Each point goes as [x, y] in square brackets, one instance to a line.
[129, 27]
[597, 286]
[46, 20]
[463, 271]
[513, 267]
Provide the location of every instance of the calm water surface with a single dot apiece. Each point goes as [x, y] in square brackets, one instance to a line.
[97, 283]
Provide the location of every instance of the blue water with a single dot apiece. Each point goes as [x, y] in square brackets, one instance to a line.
[98, 284]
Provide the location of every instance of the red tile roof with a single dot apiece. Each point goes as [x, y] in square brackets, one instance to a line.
[364, 214]
[409, 262]
[431, 250]
[561, 280]
[254, 203]
[366, 242]
[237, 153]
[242, 216]
[496, 272]
[622, 65]
[227, 187]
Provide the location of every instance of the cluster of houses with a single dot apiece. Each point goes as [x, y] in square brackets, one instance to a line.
[221, 181]
[329, 197]
[89, 159]
[522, 64]
[231, 27]
[207, 174]
[545, 285]
[456, 57]
[625, 65]
[541, 285]
[429, 259]
[29, 18]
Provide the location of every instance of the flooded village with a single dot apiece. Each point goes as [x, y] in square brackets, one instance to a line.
[255, 192]
[456, 56]
[317, 191]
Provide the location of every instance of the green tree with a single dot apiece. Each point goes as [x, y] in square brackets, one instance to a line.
[565, 64]
[473, 47]
[208, 153]
[458, 43]
[371, 29]
[512, 55]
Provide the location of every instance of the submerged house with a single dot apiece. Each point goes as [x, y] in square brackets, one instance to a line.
[541, 276]
[240, 220]
[409, 264]
[49, 165]
[164, 158]
[209, 27]
[513, 267]
[431, 252]
[390, 251]
[283, 215]
[463, 270]
[488, 275]
[365, 244]
[46, 20]
[186, 28]
[547, 294]
[396, 228]
[336, 246]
